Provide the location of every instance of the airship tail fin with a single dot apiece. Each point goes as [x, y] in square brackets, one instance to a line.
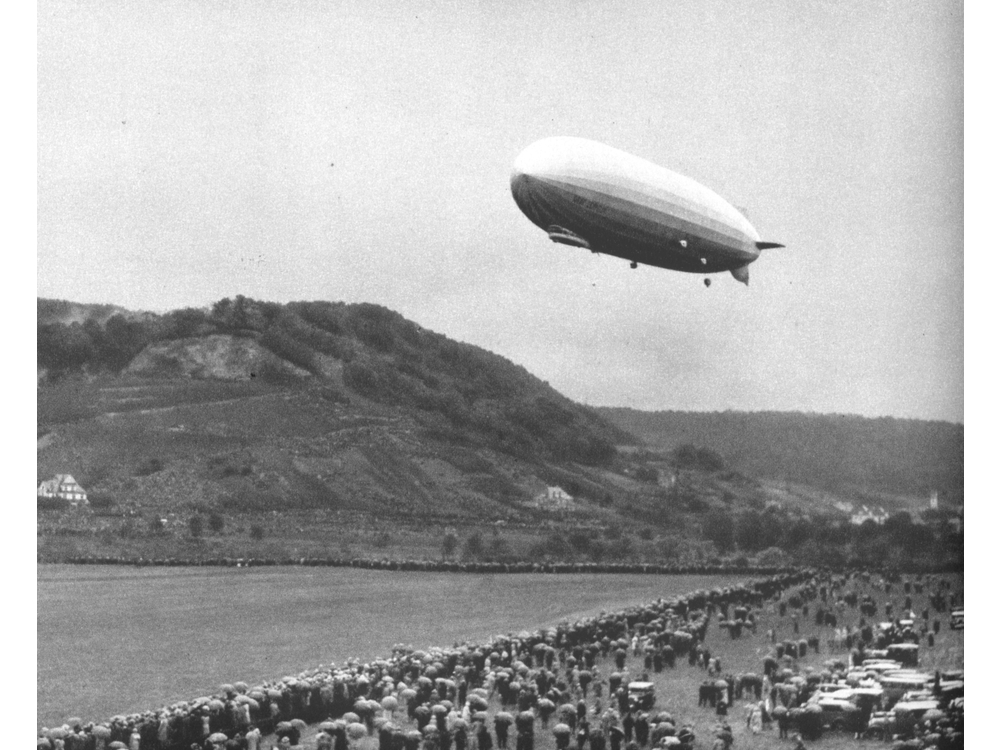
[768, 245]
[742, 274]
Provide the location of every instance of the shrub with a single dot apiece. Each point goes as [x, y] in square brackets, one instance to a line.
[449, 543]
[773, 557]
[499, 548]
[196, 525]
[646, 533]
[257, 532]
[695, 504]
[647, 474]
[473, 545]
[216, 522]
[555, 546]
[101, 501]
[580, 541]
[150, 466]
[52, 503]
[621, 547]
[688, 456]
[383, 539]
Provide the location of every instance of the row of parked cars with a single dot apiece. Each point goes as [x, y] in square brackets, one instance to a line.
[894, 695]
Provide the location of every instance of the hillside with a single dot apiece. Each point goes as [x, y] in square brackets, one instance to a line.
[318, 428]
[864, 459]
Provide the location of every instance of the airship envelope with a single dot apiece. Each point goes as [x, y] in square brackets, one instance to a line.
[585, 194]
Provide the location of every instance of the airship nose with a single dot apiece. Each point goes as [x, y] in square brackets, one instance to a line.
[535, 161]
[525, 168]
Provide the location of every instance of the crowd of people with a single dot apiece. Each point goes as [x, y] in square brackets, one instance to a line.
[552, 680]
[548, 665]
[784, 693]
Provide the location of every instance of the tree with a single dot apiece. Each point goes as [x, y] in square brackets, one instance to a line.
[257, 532]
[499, 547]
[474, 545]
[719, 528]
[689, 456]
[196, 525]
[647, 474]
[216, 522]
[449, 543]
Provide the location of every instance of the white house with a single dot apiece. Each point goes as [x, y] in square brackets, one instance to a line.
[65, 487]
[879, 516]
[553, 498]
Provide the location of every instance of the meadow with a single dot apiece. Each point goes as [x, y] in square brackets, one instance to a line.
[115, 639]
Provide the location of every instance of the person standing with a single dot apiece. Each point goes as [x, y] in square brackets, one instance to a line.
[483, 739]
[253, 738]
[781, 714]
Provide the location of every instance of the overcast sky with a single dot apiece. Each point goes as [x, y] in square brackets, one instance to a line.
[190, 151]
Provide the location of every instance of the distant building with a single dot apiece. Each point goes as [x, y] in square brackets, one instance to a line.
[934, 501]
[865, 514]
[64, 487]
[554, 498]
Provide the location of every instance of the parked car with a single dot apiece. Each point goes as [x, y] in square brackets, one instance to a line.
[641, 695]
[906, 654]
[897, 684]
[958, 619]
[837, 713]
[900, 721]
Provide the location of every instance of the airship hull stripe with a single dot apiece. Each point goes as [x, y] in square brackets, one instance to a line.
[663, 197]
[619, 227]
[678, 217]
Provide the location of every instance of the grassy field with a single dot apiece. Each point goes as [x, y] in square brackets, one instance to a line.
[119, 639]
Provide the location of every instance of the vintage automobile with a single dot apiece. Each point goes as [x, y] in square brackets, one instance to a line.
[897, 684]
[958, 619]
[900, 721]
[837, 713]
[641, 695]
[906, 654]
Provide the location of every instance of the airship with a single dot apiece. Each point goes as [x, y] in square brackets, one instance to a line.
[588, 195]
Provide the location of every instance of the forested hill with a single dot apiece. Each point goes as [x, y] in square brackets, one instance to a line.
[359, 350]
[836, 452]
